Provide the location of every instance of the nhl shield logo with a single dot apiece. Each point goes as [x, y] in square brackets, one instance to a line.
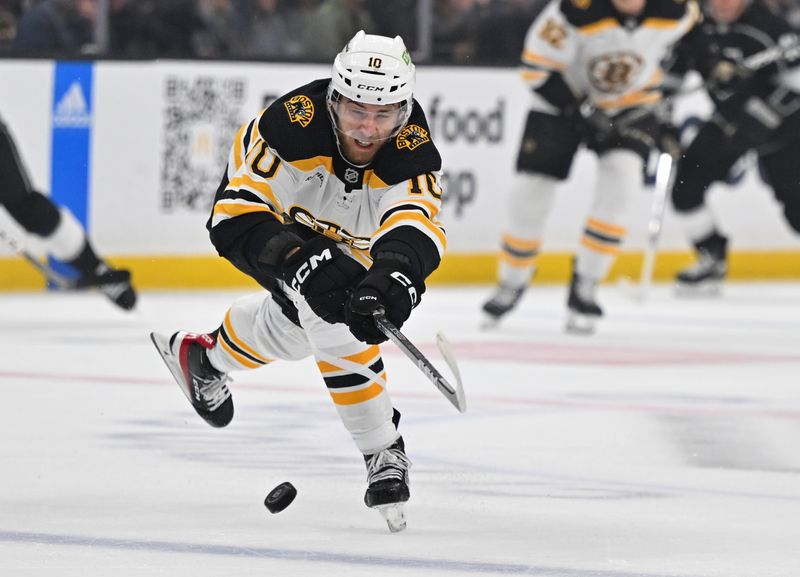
[300, 109]
[412, 136]
[351, 175]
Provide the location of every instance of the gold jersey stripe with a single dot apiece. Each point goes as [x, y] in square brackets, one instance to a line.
[518, 261]
[365, 357]
[521, 244]
[309, 164]
[257, 186]
[232, 209]
[239, 342]
[403, 217]
[533, 75]
[606, 227]
[241, 359]
[530, 57]
[599, 26]
[238, 145]
[631, 99]
[360, 396]
[592, 244]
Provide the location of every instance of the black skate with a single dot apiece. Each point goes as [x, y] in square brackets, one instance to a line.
[583, 310]
[112, 282]
[205, 387]
[387, 475]
[504, 299]
[706, 276]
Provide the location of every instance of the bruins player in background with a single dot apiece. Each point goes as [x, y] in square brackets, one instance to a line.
[330, 201]
[61, 234]
[593, 67]
[756, 107]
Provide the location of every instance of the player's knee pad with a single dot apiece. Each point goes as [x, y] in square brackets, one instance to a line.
[548, 145]
[35, 213]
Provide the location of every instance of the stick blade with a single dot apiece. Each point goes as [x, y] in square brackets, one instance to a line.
[459, 400]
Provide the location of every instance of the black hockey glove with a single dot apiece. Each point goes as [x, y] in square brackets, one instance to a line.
[389, 285]
[592, 123]
[324, 275]
[728, 77]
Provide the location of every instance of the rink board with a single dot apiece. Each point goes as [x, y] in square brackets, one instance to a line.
[159, 133]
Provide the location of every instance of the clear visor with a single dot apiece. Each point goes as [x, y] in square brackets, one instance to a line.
[367, 122]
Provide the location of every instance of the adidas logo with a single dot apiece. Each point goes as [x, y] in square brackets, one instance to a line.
[72, 111]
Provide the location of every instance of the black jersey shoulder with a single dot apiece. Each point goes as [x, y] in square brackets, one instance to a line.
[582, 13]
[297, 124]
[665, 9]
[410, 153]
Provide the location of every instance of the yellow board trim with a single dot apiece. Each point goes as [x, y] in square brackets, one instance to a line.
[209, 272]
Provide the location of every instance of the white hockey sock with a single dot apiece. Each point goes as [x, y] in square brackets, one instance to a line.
[68, 239]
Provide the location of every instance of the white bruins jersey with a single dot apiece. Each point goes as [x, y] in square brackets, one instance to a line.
[613, 60]
[285, 166]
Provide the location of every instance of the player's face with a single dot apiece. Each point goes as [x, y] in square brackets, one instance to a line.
[629, 7]
[364, 128]
[726, 11]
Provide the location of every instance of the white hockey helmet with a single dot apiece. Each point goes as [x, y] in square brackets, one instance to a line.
[374, 69]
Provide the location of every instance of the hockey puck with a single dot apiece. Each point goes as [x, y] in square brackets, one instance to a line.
[280, 497]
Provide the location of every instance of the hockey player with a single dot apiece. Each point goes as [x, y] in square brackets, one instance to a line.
[593, 67]
[749, 58]
[330, 201]
[62, 235]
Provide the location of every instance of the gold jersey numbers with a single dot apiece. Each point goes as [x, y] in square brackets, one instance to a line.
[412, 136]
[300, 109]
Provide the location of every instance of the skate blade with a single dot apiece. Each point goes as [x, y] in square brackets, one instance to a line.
[708, 289]
[578, 324]
[162, 346]
[394, 515]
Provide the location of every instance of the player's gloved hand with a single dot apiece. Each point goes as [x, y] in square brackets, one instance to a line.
[324, 275]
[389, 285]
[591, 122]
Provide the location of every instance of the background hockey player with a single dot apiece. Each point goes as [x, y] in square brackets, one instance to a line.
[62, 235]
[330, 201]
[749, 58]
[594, 70]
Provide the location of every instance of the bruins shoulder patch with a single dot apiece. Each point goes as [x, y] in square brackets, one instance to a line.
[412, 136]
[300, 109]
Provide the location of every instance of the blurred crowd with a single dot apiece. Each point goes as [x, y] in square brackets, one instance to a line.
[441, 31]
[465, 31]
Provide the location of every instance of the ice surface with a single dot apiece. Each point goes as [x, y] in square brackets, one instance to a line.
[667, 444]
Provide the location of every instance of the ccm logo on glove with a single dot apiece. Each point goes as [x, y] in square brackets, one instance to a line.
[307, 267]
[406, 282]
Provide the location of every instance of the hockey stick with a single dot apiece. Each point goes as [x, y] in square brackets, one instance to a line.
[453, 394]
[665, 174]
[47, 272]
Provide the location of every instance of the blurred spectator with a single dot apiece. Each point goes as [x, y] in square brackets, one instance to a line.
[276, 29]
[153, 28]
[455, 29]
[220, 34]
[501, 30]
[332, 24]
[395, 18]
[9, 13]
[63, 27]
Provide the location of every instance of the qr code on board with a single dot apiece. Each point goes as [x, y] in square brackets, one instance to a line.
[200, 117]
